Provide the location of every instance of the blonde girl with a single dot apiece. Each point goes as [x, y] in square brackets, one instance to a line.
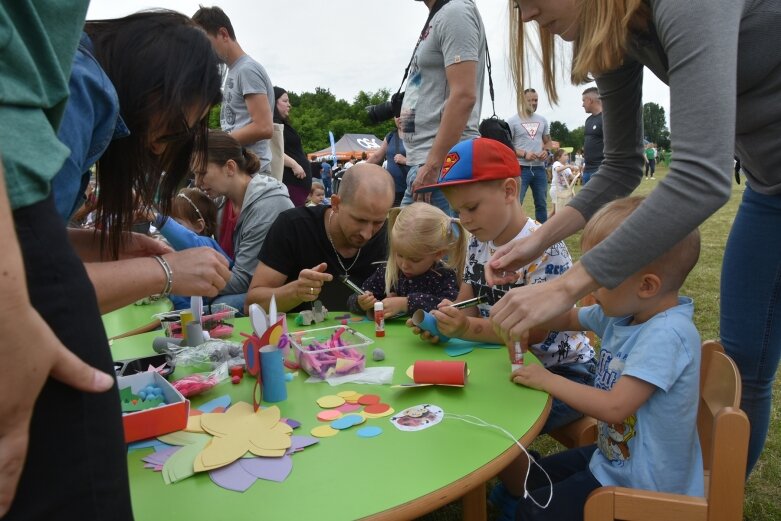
[316, 194]
[427, 251]
[564, 176]
[721, 61]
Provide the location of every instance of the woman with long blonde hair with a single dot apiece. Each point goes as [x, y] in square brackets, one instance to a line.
[722, 62]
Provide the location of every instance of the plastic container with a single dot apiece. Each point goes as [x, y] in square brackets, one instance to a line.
[217, 320]
[141, 365]
[330, 351]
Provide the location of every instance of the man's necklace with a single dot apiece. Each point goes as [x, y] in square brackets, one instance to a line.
[339, 257]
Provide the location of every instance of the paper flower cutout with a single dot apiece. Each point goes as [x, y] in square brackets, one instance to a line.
[237, 431]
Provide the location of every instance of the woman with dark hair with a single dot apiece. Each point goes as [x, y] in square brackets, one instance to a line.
[147, 81]
[231, 171]
[138, 92]
[297, 175]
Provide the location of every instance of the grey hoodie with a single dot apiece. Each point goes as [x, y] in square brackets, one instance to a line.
[264, 200]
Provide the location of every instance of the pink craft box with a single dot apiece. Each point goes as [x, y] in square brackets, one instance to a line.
[157, 421]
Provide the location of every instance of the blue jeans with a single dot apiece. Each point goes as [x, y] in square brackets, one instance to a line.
[537, 178]
[572, 483]
[437, 197]
[326, 179]
[587, 175]
[751, 307]
[560, 413]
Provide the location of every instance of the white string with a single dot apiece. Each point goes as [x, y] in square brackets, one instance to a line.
[474, 420]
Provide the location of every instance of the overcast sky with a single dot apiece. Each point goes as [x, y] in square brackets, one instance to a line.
[351, 45]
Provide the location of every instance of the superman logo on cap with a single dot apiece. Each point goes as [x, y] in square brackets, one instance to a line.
[451, 159]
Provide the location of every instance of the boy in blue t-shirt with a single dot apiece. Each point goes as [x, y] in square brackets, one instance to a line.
[480, 180]
[645, 391]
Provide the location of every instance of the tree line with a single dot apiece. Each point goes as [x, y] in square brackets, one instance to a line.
[315, 113]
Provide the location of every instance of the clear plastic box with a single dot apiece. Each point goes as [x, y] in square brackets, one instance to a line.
[217, 320]
[330, 351]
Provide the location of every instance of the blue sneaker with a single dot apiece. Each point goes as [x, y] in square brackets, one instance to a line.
[504, 502]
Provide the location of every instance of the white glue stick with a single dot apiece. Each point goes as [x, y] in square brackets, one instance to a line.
[517, 356]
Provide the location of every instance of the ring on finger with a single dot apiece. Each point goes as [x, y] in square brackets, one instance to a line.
[311, 291]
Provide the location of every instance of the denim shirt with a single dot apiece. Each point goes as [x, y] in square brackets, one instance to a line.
[90, 123]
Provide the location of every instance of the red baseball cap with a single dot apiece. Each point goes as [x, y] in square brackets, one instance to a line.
[475, 160]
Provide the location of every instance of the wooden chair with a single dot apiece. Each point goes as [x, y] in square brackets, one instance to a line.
[724, 430]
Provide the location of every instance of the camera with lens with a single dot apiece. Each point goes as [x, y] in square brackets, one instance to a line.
[384, 111]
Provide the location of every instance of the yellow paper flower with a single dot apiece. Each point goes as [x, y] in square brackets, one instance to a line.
[239, 430]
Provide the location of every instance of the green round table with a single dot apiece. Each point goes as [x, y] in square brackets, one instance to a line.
[131, 317]
[396, 475]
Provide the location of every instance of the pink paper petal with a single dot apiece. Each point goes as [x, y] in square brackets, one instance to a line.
[272, 469]
[232, 477]
[349, 407]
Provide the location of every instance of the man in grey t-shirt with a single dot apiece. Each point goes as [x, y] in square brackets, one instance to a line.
[248, 95]
[531, 136]
[447, 71]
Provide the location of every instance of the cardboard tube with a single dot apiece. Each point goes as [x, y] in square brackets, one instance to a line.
[426, 321]
[440, 372]
[272, 374]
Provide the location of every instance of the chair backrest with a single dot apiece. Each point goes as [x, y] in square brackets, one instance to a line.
[719, 387]
[724, 431]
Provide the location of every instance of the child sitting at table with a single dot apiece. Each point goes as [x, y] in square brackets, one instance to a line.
[191, 224]
[645, 391]
[416, 276]
[480, 179]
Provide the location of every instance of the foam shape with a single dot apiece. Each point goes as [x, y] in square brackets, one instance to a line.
[270, 469]
[329, 415]
[194, 424]
[222, 401]
[369, 399]
[369, 415]
[330, 401]
[376, 408]
[348, 407]
[232, 477]
[345, 422]
[348, 394]
[369, 431]
[458, 350]
[323, 431]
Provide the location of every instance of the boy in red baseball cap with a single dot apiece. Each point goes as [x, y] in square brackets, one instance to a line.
[481, 179]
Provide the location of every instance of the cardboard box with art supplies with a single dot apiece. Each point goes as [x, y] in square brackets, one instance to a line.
[150, 406]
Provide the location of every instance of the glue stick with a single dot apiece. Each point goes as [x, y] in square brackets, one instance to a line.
[185, 317]
[517, 356]
[379, 319]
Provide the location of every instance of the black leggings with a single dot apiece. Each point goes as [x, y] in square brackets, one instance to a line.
[76, 465]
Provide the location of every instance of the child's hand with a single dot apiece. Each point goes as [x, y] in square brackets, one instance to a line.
[366, 301]
[450, 321]
[532, 375]
[424, 335]
[394, 306]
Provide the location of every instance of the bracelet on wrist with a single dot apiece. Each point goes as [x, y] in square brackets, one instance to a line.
[169, 275]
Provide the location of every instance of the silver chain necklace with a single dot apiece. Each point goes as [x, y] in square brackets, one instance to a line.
[339, 257]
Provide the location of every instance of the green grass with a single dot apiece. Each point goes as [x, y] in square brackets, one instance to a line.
[763, 495]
